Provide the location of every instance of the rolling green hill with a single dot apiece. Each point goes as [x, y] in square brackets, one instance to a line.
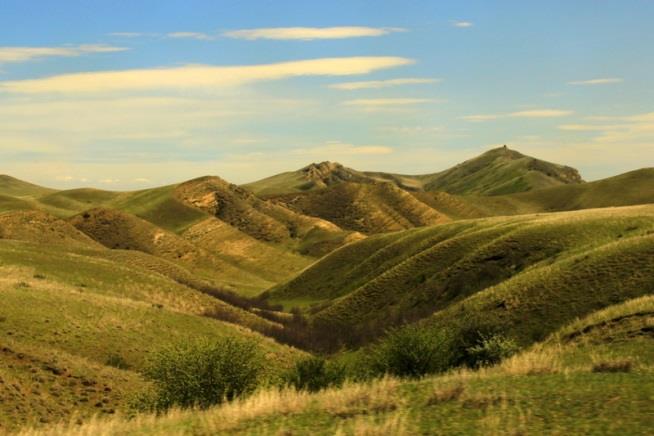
[500, 171]
[17, 188]
[387, 279]
[77, 323]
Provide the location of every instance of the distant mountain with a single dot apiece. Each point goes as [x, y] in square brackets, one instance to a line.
[311, 177]
[500, 171]
[497, 171]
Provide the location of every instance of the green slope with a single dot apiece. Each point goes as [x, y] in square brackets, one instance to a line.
[500, 171]
[17, 188]
[408, 275]
[69, 313]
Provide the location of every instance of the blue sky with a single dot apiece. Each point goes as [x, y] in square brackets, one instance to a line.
[131, 94]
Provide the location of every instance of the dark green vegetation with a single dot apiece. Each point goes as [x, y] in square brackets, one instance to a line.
[487, 289]
[202, 373]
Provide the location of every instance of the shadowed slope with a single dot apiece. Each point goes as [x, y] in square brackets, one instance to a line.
[365, 207]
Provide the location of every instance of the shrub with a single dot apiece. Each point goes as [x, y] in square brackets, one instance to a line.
[490, 350]
[315, 373]
[117, 361]
[202, 373]
[412, 351]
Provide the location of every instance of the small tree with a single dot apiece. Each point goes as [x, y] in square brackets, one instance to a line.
[202, 373]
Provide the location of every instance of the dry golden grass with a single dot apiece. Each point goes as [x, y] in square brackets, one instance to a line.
[395, 424]
[533, 362]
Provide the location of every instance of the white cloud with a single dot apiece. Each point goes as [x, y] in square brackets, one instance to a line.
[141, 180]
[541, 113]
[532, 113]
[310, 33]
[604, 81]
[109, 181]
[386, 102]
[335, 149]
[23, 54]
[191, 35]
[201, 76]
[482, 117]
[375, 84]
[587, 127]
[462, 24]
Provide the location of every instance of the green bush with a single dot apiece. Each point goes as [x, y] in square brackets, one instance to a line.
[202, 373]
[412, 351]
[315, 373]
[490, 350]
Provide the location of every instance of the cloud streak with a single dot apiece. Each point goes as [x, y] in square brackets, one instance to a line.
[532, 113]
[310, 33]
[200, 76]
[462, 24]
[191, 35]
[24, 54]
[603, 81]
[376, 84]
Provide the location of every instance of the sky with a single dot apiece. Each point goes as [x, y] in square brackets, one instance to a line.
[127, 94]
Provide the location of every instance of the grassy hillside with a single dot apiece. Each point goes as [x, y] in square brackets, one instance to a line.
[365, 207]
[500, 171]
[596, 383]
[94, 316]
[449, 269]
[17, 188]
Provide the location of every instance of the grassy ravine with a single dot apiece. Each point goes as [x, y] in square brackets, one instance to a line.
[584, 379]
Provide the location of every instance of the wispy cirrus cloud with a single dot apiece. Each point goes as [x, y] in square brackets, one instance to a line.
[334, 149]
[532, 113]
[311, 33]
[376, 84]
[462, 24]
[200, 36]
[601, 81]
[201, 76]
[24, 54]
[541, 113]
